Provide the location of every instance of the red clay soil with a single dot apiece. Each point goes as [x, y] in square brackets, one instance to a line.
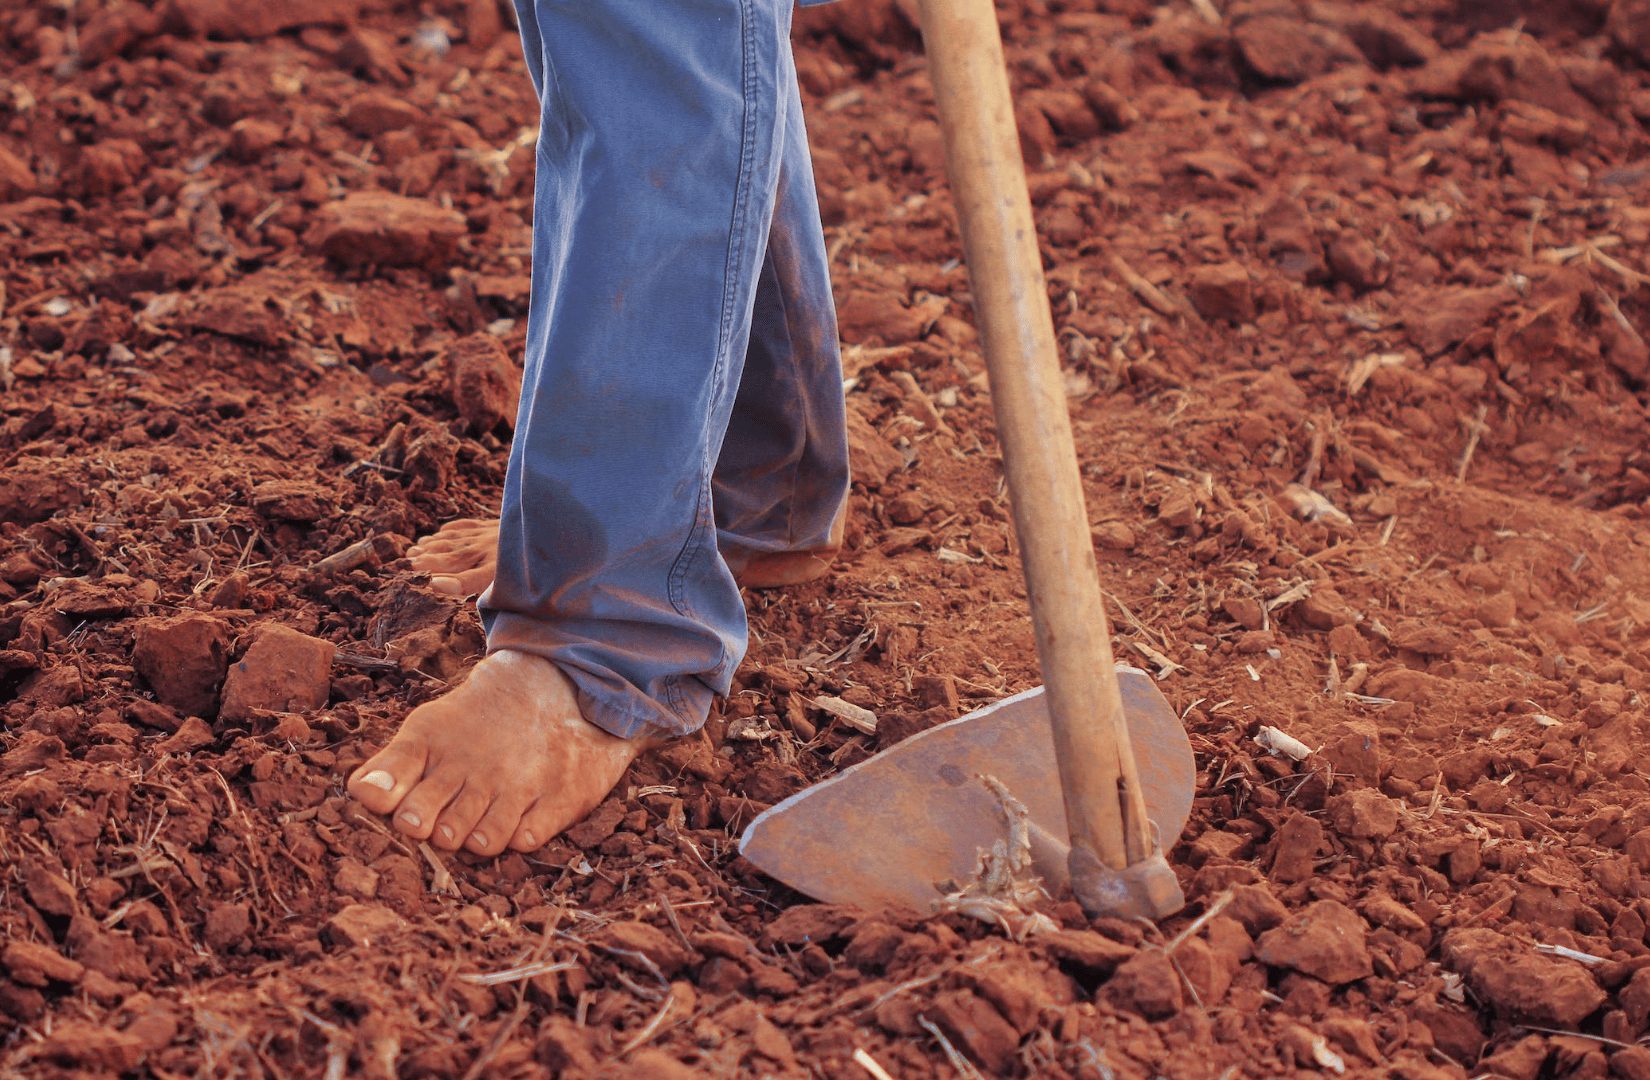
[262, 299]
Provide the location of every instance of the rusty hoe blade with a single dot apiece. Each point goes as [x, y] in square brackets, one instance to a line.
[908, 825]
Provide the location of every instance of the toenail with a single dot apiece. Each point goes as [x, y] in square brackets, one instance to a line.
[479, 839]
[528, 838]
[446, 832]
[412, 819]
[379, 779]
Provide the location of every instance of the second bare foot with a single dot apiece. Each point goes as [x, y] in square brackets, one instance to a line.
[460, 557]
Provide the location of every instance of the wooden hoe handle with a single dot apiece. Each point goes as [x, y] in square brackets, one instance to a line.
[1103, 799]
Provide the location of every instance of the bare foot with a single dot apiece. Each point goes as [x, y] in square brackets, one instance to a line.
[504, 760]
[461, 556]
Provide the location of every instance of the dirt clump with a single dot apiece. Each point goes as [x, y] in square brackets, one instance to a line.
[184, 660]
[282, 671]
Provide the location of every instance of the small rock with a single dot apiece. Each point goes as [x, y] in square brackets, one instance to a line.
[1209, 970]
[1451, 314]
[293, 500]
[111, 31]
[155, 1027]
[191, 735]
[111, 953]
[251, 139]
[1086, 949]
[1223, 291]
[1325, 941]
[1497, 611]
[1635, 999]
[355, 878]
[1632, 1063]
[1520, 1061]
[48, 890]
[936, 691]
[106, 168]
[34, 964]
[1520, 984]
[1454, 1031]
[810, 924]
[771, 1043]
[1178, 510]
[1147, 983]
[1383, 910]
[1245, 611]
[874, 944]
[372, 55]
[231, 591]
[906, 509]
[16, 178]
[1324, 609]
[665, 951]
[1284, 48]
[32, 751]
[1021, 993]
[1257, 908]
[1216, 844]
[1295, 854]
[1386, 39]
[978, 1030]
[1113, 536]
[152, 714]
[227, 926]
[565, 1047]
[363, 925]
[377, 228]
[1364, 814]
[282, 671]
[598, 826]
[870, 317]
[376, 113]
[87, 1045]
[483, 382]
[233, 19]
[1354, 260]
[1427, 639]
[183, 660]
[1629, 27]
[873, 460]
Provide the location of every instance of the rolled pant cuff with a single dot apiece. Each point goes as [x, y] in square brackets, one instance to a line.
[606, 698]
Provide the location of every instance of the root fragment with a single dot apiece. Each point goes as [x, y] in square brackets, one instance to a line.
[1004, 890]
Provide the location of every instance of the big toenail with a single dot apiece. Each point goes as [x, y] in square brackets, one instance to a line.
[412, 819]
[379, 779]
[479, 839]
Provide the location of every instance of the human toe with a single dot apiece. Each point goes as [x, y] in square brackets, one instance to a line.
[431, 545]
[472, 582]
[447, 585]
[456, 821]
[418, 812]
[539, 825]
[385, 778]
[496, 830]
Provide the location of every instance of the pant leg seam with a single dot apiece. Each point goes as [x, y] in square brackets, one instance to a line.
[736, 242]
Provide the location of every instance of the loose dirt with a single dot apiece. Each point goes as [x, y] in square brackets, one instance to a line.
[1351, 300]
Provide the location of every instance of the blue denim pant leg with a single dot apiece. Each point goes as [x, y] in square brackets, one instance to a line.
[783, 473]
[658, 175]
